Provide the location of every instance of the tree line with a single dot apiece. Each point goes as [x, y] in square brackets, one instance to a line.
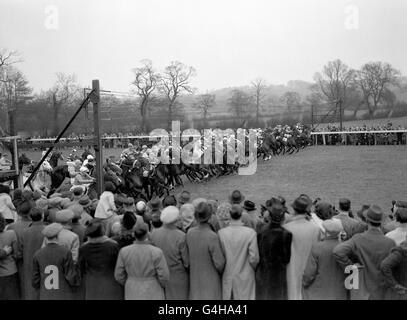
[160, 96]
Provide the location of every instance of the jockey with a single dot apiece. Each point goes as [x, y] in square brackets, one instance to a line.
[128, 151]
[83, 178]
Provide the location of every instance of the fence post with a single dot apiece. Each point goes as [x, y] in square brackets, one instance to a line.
[95, 98]
[323, 139]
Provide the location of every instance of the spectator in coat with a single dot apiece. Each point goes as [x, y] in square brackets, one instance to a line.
[97, 261]
[31, 242]
[172, 242]
[54, 261]
[207, 260]
[399, 234]
[323, 278]
[274, 244]
[223, 215]
[76, 226]
[351, 226]
[9, 282]
[394, 270]
[106, 208]
[368, 249]
[155, 212]
[141, 268]
[126, 234]
[305, 234]
[187, 216]
[66, 237]
[7, 209]
[239, 244]
[250, 216]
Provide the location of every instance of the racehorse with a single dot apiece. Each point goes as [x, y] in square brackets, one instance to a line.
[53, 160]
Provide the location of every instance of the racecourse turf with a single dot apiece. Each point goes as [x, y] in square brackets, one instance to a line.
[364, 174]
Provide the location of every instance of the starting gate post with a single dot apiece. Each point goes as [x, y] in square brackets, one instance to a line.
[95, 98]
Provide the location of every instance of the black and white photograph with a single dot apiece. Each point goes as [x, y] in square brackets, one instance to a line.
[213, 150]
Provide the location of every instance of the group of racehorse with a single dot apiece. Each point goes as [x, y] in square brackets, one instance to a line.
[137, 177]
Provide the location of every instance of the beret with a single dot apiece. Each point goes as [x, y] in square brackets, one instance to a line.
[52, 230]
[64, 216]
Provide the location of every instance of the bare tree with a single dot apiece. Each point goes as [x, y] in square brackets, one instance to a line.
[146, 81]
[9, 57]
[204, 102]
[239, 103]
[291, 99]
[335, 82]
[63, 94]
[174, 82]
[373, 79]
[259, 85]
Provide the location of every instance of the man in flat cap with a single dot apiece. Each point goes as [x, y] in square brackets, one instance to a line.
[368, 249]
[54, 272]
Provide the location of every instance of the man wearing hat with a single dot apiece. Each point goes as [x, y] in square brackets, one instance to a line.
[250, 217]
[236, 197]
[368, 249]
[66, 237]
[206, 257]
[239, 244]
[323, 278]
[350, 225]
[400, 233]
[305, 234]
[55, 261]
[274, 243]
[184, 197]
[172, 242]
[141, 268]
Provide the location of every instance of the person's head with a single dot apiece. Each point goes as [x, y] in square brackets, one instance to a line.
[94, 229]
[236, 197]
[17, 194]
[170, 215]
[84, 170]
[64, 216]
[249, 205]
[332, 227]
[202, 212]
[184, 197]
[3, 223]
[300, 205]
[109, 186]
[169, 201]
[344, 204]
[374, 216]
[324, 210]
[275, 214]
[140, 231]
[24, 209]
[128, 220]
[77, 192]
[401, 215]
[141, 207]
[36, 214]
[236, 212]
[51, 231]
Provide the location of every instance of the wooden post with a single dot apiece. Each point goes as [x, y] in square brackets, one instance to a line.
[14, 154]
[95, 98]
[323, 139]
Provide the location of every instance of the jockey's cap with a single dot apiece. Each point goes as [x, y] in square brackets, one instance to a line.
[84, 169]
[89, 157]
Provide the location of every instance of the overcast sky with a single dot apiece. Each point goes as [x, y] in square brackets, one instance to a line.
[228, 42]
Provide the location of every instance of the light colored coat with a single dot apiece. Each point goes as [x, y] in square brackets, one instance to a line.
[305, 234]
[207, 263]
[172, 242]
[7, 208]
[68, 239]
[143, 271]
[106, 206]
[239, 244]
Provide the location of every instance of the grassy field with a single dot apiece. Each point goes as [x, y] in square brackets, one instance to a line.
[365, 174]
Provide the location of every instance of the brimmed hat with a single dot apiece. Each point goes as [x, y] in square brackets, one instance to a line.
[344, 201]
[374, 214]
[64, 216]
[202, 212]
[300, 205]
[155, 204]
[85, 201]
[276, 213]
[236, 197]
[401, 213]
[169, 215]
[169, 201]
[249, 205]
[401, 204]
[52, 230]
[332, 226]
